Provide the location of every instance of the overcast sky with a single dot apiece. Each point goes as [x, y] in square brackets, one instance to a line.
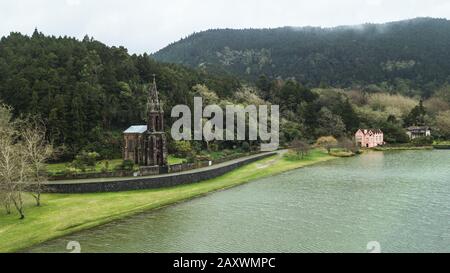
[146, 26]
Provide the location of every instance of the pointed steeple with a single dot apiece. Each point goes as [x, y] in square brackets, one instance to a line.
[153, 103]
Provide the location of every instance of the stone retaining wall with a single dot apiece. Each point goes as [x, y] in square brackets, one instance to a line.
[177, 168]
[91, 175]
[151, 182]
[144, 171]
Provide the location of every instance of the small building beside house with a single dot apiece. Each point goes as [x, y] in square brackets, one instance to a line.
[369, 138]
[418, 131]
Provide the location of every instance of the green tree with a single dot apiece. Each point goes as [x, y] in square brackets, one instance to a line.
[346, 111]
[393, 132]
[417, 116]
[265, 86]
[329, 124]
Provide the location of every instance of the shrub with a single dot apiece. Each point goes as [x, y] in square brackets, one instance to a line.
[245, 147]
[85, 160]
[126, 165]
[214, 147]
[422, 141]
[190, 158]
[348, 145]
[182, 148]
[300, 147]
[105, 167]
[70, 170]
[327, 142]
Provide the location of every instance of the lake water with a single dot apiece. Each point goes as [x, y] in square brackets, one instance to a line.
[399, 199]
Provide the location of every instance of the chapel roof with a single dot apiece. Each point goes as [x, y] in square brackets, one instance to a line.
[136, 129]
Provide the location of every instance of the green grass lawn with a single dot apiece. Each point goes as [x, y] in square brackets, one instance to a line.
[56, 168]
[173, 160]
[441, 142]
[214, 155]
[62, 214]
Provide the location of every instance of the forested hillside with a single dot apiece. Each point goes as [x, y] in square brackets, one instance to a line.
[409, 57]
[87, 92]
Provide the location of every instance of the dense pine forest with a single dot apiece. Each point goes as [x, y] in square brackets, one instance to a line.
[409, 57]
[87, 92]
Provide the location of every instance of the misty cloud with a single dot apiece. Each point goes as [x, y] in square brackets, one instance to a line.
[146, 26]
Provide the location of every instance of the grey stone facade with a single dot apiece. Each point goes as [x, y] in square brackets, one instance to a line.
[147, 145]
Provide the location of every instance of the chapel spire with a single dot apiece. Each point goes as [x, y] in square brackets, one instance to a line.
[153, 103]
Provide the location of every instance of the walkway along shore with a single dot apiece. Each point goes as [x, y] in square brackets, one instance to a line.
[150, 182]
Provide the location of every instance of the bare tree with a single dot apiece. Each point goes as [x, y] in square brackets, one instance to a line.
[301, 147]
[5, 133]
[36, 152]
[21, 179]
[5, 198]
[13, 169]
[348, 145]
[23, 154]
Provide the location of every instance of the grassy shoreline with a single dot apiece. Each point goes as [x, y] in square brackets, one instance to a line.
[63, 214]
[402, 148]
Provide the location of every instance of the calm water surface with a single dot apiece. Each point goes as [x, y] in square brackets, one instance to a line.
[400, 199]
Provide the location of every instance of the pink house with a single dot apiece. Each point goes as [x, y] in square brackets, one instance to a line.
[369, 138]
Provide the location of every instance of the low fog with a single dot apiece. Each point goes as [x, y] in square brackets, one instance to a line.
[146, 26]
